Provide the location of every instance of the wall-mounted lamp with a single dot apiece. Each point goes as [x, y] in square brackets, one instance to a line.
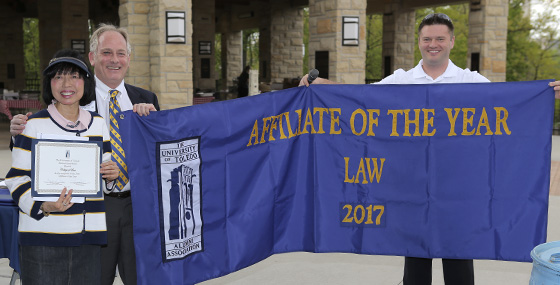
[350, 31]
[204, 47]
[78, 45]
[175, 28]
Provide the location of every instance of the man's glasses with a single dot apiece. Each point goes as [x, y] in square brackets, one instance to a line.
[440, 16]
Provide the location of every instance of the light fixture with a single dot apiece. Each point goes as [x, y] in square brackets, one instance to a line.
[350, 31]
[78, 45]
[175, 28]
[204, 47]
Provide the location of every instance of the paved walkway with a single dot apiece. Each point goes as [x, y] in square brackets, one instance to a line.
[345, 268]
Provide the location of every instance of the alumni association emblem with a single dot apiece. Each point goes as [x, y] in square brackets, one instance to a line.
[180, 198]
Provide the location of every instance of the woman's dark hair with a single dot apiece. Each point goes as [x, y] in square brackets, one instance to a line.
[64, 62]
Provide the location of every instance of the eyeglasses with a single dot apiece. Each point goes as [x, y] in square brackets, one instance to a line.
[440, 16]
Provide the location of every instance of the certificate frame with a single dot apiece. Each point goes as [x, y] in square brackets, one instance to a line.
[73, 164]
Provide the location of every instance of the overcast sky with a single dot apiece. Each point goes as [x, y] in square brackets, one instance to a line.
[537, 7]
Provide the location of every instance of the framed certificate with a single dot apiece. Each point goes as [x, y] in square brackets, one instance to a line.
[56, 164]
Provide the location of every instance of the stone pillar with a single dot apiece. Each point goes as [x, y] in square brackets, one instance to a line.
[60, 22]
[488, 21]
[399, 31]
[253, 82]
[11, 45]
[264, 46]
[234, 55]
[165, 69]
[134, 17]
[346, 63]
[286, 41]
[203, 30]
[224, 82]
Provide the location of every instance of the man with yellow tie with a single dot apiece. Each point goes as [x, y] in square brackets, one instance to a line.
[110, 57]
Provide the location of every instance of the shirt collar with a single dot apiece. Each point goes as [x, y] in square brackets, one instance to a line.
[103, 90]
[84, 118]
[450, 71]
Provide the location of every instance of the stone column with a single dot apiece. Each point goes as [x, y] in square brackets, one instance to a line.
[134, 17]
[264, 46]
[253, 82]
[203, 30]
[11, 45]
[225, 83]
[488, 21]
[286, 41]
[346, 63]
[398, 38]
[60, 22]
[165, 69]
[234, 55]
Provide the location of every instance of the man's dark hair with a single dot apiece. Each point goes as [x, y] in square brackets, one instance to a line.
[437, 19]
[66, 67]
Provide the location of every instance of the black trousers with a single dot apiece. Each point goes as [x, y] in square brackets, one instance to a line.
[418, 271]
[120, 243]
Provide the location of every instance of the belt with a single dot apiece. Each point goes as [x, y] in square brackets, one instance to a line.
[120, 195]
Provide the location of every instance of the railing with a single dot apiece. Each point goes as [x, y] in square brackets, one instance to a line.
[32, 84]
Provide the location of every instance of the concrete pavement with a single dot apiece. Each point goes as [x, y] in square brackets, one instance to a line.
[345, 268]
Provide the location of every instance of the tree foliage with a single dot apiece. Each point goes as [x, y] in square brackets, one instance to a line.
[251, 48]
[374, 38]
[31, 47]
[532, 46]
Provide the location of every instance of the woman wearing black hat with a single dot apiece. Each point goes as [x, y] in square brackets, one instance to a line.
[60, 241]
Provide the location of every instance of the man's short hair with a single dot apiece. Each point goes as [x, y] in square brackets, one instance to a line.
[94, 41]
[437, 19]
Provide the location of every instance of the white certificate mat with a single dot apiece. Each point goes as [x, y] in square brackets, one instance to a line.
[61, 163]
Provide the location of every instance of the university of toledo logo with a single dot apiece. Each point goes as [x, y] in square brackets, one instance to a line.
[180, 207]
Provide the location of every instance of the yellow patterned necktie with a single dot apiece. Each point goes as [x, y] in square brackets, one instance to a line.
[116, 142]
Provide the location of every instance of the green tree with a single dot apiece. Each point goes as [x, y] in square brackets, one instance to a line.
[31, 48]
[519, 43]
[251, 48]
[374, 38]
[532, 46]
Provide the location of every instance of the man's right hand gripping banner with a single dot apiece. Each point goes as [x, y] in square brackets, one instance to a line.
[436, 171]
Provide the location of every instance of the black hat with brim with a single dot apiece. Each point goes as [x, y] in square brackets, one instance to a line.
[68, 59]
